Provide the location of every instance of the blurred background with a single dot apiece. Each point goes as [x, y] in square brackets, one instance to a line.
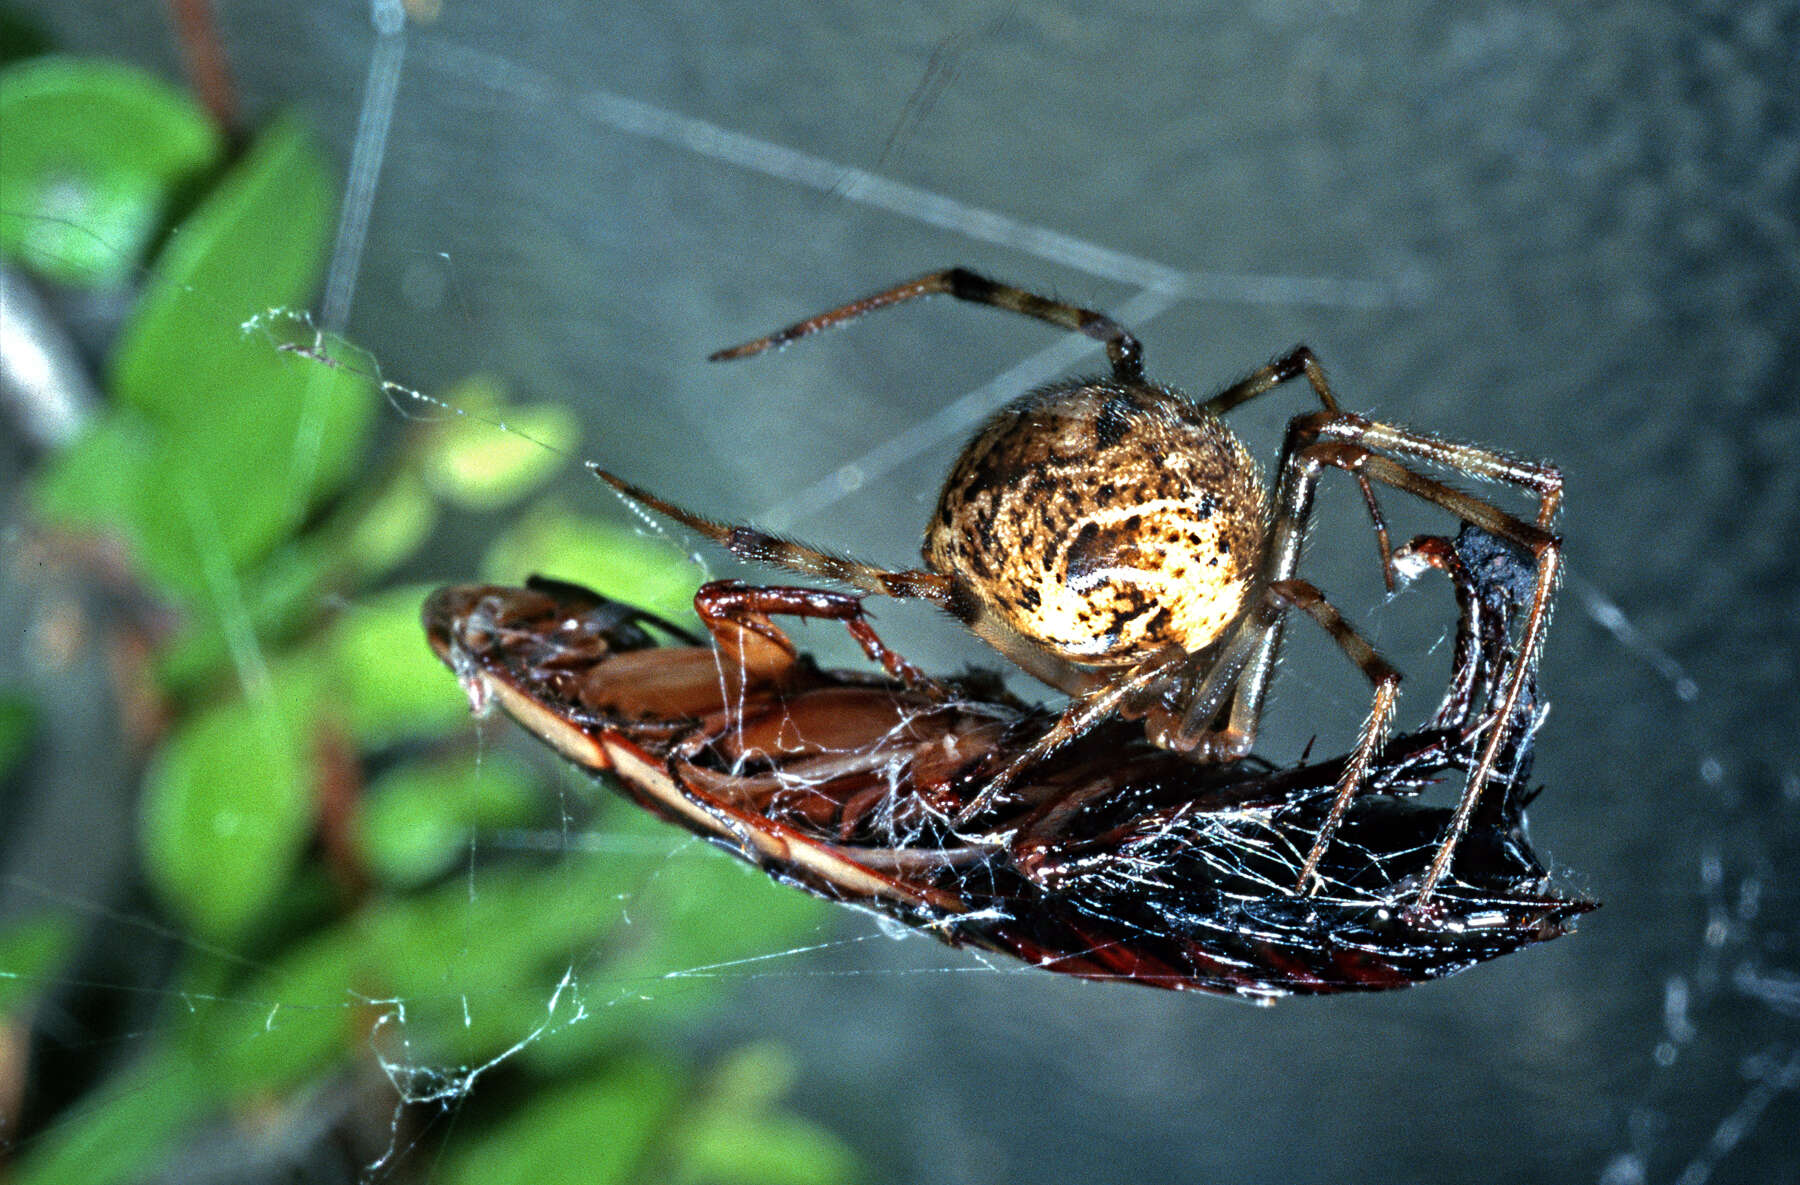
[273, 908]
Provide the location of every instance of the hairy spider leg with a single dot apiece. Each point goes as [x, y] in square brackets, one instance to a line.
[761, 547]
[1126, 354]
[921, 584]
[1296, 363]
[1221, 673]
[1344, 441]
[1308, 599]
[1490, 465]
[1082, 713]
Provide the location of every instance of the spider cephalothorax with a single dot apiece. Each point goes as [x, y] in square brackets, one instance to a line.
[1114, 539]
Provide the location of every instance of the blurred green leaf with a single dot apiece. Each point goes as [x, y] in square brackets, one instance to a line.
[94, 481]
[228, 486]
[761, 1148]
[451, 978]
[480, 962]
[274, 600]
[221, 443]
[555, 956]
[310, 1011]
[94, 154]
[18, 720]
[386, 682]
[705, 908]
[615, 559]
[31, 949]
[594, 1132]
[473, 464]
[125, 1128]
[735, 1133]
[286, 590]
[233, 424]
[20, 36]
[255, 243]
[228, 807]
[391, 527]
[416, 821]
[640, 1121]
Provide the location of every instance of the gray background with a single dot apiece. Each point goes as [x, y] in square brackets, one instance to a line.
[1569, 230]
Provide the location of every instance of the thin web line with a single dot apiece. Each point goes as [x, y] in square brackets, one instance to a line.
[638, 118]
[1159, 284]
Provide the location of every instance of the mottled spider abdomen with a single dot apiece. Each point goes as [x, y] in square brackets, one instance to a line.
[1106, 520]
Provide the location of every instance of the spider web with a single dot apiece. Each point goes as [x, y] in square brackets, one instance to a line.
[1663, 1043]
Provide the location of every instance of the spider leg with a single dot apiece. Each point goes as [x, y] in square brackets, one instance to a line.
[1309, 600]
[1244, 659]
[1343, 441]
[761, 547]
[1085, 711]
[1296, 363]
[1359, 436]
[1122, 348]
[914, 583]
[1082, 713]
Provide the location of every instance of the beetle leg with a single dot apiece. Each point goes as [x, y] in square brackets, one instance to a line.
[738, 617]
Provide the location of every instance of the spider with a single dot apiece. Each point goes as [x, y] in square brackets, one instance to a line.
[1117, 541]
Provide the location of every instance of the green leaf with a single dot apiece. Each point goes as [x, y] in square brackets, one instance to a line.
[21, 37]
[614, 559]
[250, 437]
[594, 1132]
[117, 479]
[123, 1130]
[705, 908]
[770, 1148]
[396, 698]
[228, 807]
[271, 604]
[736, 1133]
[95, 153]
[222, 442]
[31, 950]
[93, 482]
[256, 243]
[245, 472]
[416, 822]
[387, 683]
[309, 1013]
[449, 980]
[472, 463]
[391, 527]
[554, 956]
[18, 720]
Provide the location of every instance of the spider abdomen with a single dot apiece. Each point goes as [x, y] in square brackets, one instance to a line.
[1106, 520]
